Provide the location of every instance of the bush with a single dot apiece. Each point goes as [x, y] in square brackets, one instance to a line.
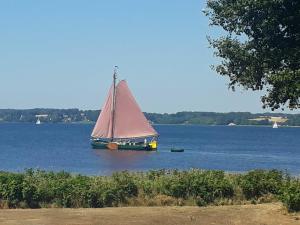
[110, 198]
[124, 185]
[260, 182]
[29, 191]
[11, 188]
[290, 195]
[173, 185]
[210, 185]
[94, 194]
[35, 189]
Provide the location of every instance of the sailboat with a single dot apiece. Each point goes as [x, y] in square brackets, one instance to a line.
[275, 125]
[38, 122]
[121, 123]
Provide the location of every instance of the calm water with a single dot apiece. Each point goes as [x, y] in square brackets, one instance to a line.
[66, 147]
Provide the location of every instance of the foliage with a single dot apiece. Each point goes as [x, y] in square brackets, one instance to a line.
[11, 188]
[210, 185]
[34, 189]
[261, 48]
[290, 195]
[259, 182]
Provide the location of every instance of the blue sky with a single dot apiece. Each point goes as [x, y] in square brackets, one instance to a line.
[61, 54]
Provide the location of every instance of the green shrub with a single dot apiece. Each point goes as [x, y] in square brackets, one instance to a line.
[11, 188]
[172, 185]
[260, 182]
[207, 185]
[210, 185]
[164, 187]
[124, 185]
[29, 192]
[155, 174]
[94, 194]
[147, 187]
[110, 198]
[290, 195]
[178, 187]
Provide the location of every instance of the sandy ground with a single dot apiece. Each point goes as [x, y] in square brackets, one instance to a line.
[264, 214]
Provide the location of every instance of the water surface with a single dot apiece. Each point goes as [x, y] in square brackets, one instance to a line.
[66, 147]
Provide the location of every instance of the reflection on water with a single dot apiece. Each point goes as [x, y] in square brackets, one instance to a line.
[121, 160]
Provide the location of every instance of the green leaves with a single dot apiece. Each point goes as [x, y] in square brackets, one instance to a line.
[259, 182]
[291, 195]
[35, 189]
[262, 48]
[285, 88]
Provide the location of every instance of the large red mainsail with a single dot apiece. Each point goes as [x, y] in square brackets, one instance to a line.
[124, 119]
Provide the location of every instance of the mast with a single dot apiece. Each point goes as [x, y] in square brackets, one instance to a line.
[114, 102]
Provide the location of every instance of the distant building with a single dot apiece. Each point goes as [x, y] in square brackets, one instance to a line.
[272, 119]
[42, 115]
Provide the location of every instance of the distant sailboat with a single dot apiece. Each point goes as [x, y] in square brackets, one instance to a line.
[121, 123]
[38, 121]
[275, 125]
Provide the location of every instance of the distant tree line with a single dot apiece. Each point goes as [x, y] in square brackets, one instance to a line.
[48, 115]
[200, 118]
[213, 118]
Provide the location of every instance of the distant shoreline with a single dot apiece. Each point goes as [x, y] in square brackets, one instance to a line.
[179, 118]
[158, 124]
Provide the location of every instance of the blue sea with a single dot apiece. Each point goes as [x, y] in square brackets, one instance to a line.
[67, 147]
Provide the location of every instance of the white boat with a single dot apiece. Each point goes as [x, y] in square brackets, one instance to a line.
[275, 125]
[38, 121]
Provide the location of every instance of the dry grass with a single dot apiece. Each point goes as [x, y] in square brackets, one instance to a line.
[264, 214]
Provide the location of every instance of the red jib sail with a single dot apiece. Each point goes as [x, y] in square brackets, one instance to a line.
[129, 120]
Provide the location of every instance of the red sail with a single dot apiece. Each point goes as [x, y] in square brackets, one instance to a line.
[103, 127]
[129, 120]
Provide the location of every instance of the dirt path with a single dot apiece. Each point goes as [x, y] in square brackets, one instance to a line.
[264, 214]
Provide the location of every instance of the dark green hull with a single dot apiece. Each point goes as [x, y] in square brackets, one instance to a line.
[136, 147]
[177, 150]
[98, 145]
